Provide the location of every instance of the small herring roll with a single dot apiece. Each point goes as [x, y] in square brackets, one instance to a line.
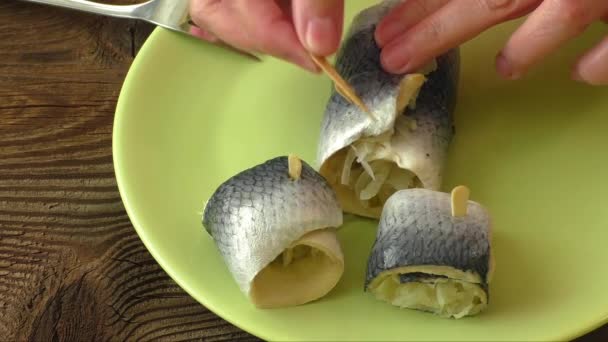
[274, 225]
[426, 258]
[367, 160]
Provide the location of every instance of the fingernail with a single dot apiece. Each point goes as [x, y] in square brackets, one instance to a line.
[505, 69]
[395, 60]
[321, 35]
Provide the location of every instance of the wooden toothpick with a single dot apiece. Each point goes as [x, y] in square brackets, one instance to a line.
[295, 167]
[460, 201]
[342, 87]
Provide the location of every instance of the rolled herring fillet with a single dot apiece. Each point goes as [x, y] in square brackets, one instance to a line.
[367, 160]
[426, 259]
[277, 233]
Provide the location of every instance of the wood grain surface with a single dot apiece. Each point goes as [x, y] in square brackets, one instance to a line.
[71, 266]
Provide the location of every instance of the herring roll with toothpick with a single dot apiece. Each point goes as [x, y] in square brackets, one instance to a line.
[399, 138]
[275, 227]
[432, 253]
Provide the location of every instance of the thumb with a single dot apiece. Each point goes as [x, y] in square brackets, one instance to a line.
[319, 24]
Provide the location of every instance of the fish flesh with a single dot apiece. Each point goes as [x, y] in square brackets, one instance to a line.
[367, 160]
[425, 258]
[275, 227]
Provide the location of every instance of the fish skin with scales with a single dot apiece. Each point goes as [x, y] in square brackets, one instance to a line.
[426, 259]
[258, 213]
[417, 228]
[344, 123]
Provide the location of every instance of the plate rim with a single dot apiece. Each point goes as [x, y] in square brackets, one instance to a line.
[130, 81]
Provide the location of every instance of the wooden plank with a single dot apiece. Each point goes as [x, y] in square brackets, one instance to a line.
[71, 266]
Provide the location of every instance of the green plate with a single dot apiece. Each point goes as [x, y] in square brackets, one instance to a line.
[192, 115]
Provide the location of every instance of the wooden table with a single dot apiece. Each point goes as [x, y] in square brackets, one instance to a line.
[71, 266]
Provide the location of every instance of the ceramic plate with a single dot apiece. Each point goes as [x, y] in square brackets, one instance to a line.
[534, 152]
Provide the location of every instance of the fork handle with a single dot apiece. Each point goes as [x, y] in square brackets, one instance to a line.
[121, 11]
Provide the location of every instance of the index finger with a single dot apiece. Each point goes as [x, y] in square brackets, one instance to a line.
[554, 23]
[319, 24]
[259, 25]
[451, 25]
[404, 16]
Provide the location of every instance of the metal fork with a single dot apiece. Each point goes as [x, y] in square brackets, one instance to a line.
[171, 14]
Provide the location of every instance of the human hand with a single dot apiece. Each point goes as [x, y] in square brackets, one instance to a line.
[287, 29]
[419, 30]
